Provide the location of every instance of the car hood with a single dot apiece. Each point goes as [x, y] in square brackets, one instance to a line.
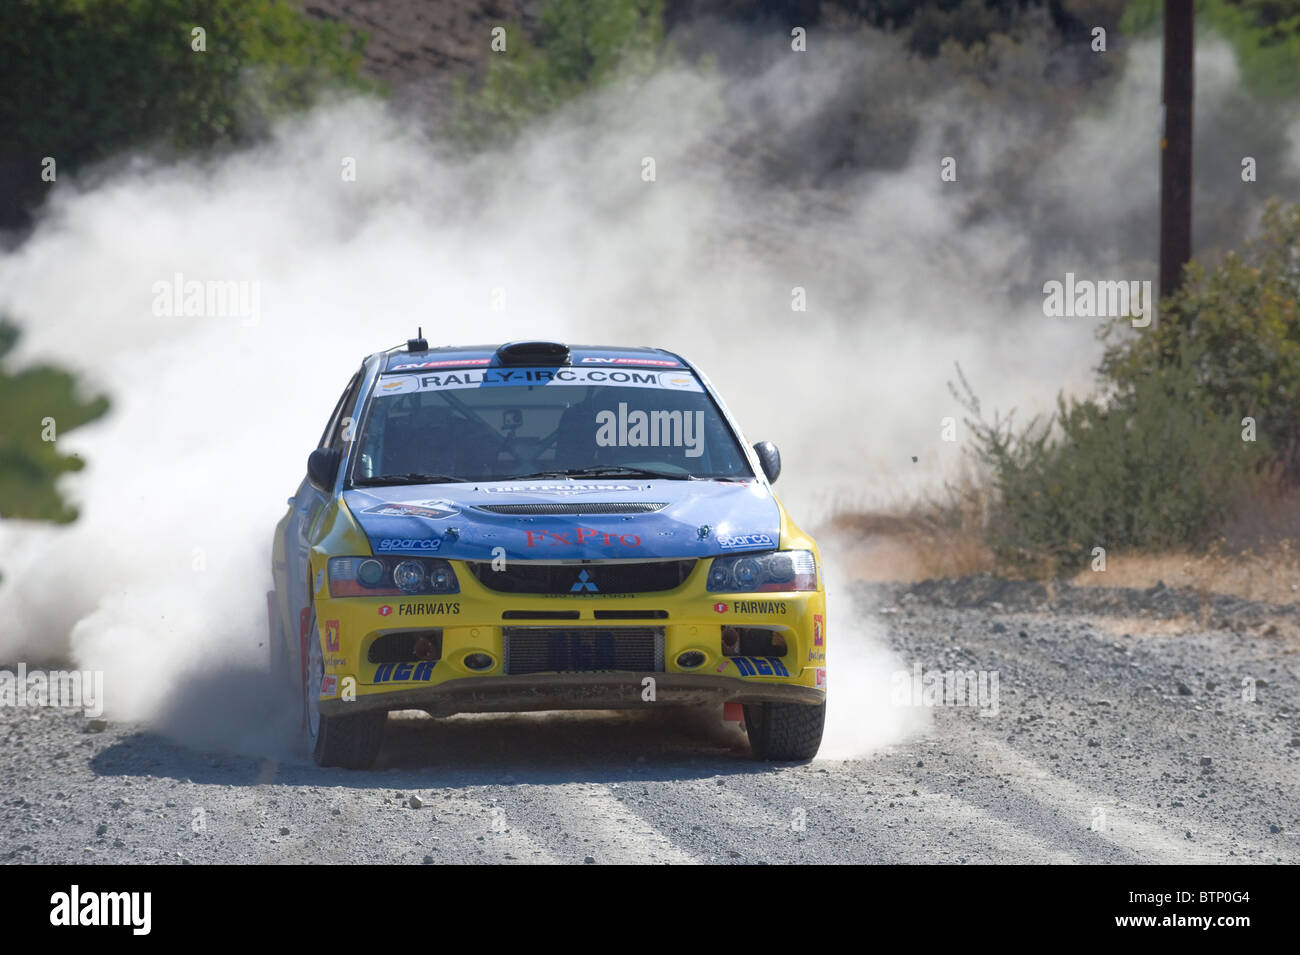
[561, 520]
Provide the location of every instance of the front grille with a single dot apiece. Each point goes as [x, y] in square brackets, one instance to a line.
[583, 649]
[591, 507]
[526, 577]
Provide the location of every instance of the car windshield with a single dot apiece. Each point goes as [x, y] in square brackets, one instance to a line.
[501, 424]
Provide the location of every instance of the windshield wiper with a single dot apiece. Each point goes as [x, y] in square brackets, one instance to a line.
[605, 470]
[413, 477]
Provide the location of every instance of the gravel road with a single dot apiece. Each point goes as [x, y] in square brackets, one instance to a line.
[1130, 726]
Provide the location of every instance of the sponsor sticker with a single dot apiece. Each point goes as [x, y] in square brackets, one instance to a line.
[746, 540]
[819, 677]
[404, 610]
[759, 606]
[329, 686]
[433, 510]
[332, 636]
[580, 536]
[451, 362]
[760, 666]
[385, 610]
[593, 360]
[512, 377]
[404, 672]
[819, 636]
[719, 607]
[390, 544]
[562, 489]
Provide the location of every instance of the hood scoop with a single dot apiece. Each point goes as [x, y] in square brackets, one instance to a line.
[592, 507]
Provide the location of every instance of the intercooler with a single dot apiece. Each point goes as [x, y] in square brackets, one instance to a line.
[583, 649]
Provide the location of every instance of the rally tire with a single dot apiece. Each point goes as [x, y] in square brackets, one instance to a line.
[348, 742]
[784, 731]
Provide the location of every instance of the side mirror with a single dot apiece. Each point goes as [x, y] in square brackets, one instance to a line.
[322, 466]
[770, 458]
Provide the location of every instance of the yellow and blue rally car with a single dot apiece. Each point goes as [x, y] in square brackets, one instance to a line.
[540, 526]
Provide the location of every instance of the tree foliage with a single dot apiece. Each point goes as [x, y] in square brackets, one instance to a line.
[40, 404]
[84, 79]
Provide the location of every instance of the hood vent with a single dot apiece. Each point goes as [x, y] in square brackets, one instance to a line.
[609, 507]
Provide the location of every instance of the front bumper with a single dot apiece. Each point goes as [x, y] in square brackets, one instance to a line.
[572, 691]
[475, 623]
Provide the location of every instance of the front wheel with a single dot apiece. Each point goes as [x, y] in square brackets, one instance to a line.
[350, 742]
[785, 731]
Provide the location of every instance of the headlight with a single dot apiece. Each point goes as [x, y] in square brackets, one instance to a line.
[390, 576]
[778, 570]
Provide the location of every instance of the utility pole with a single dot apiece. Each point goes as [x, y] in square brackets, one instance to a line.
[1176, 144]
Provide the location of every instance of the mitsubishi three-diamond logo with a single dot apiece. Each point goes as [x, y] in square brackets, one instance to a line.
[584, 583]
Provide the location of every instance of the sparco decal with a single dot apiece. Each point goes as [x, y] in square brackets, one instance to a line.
[407, 543]
[746, 540]
[427, 608]
[579, 536]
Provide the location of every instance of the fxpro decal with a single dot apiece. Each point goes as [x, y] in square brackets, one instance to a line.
[389, 544]
[404, 672]
[580, 536]
[511, 377]
[745, 540]
[433, 510]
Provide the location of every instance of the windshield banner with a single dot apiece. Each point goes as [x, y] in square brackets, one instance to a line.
[530, 377]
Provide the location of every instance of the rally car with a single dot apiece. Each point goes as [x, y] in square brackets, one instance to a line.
[539, 526]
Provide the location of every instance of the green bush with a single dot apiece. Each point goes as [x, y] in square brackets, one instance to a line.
[38, 403]
[1241, 317]
[1159, 458]
[1150, 469]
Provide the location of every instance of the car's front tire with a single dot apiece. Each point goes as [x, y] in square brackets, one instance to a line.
[784, 731]
[349, 742]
